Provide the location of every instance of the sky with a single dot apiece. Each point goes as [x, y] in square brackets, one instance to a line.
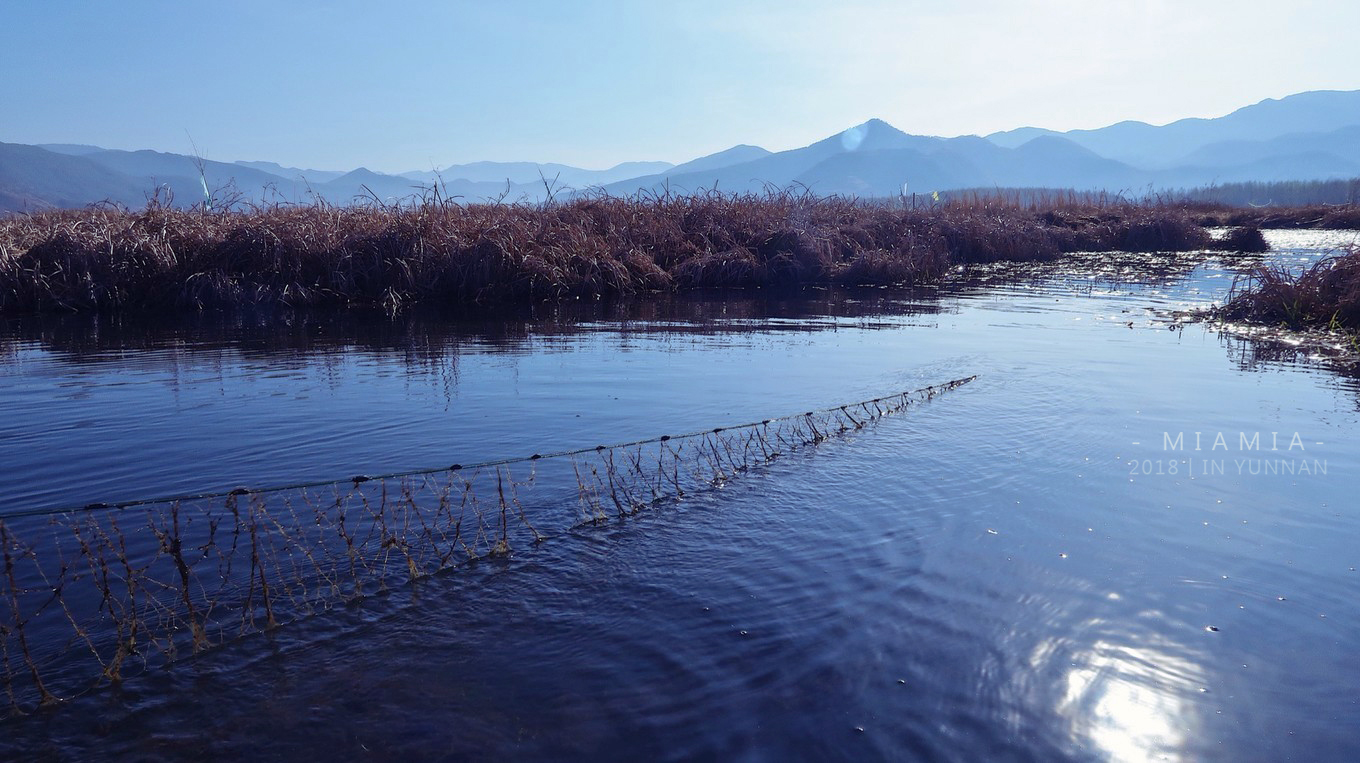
[397, 85]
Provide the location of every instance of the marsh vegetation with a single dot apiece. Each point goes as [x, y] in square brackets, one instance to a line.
[437, 252]
[1324, 295]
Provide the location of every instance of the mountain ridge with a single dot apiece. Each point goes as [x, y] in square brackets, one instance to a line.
[1306, 136]
[1165, 145]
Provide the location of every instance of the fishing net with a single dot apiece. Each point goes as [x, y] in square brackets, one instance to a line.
[95, 594]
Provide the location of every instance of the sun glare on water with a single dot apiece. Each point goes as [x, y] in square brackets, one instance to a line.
[1129, 703]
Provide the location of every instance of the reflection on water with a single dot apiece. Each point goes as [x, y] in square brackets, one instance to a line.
[1131, 702]
[425, 336]
[1256, 348]
[984, 578]
[211, 402]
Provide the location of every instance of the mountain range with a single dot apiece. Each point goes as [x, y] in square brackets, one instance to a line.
[1307, 136]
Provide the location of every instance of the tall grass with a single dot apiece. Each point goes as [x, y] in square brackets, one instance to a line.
[1325, 295]
[437, 252]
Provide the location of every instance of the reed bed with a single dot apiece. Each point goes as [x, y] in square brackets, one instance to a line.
[1325, 295]
[92, 596]
[433, 251]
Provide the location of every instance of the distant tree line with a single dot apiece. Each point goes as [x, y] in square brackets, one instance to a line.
[1293, 193]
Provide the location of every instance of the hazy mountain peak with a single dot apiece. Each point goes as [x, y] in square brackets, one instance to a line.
[362, 173]
[1050, 144]
[1019, 136]
[875, 127]
[738, 154]
[872, 135]
[642, 166]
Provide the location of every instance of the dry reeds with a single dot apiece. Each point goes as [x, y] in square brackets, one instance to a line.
[1324, 295]
[436, 252]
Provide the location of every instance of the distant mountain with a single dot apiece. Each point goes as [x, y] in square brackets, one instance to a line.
[1308, 136]
[364, 184]
[70, 149]
[1303, 137]
[620, 172]
[32, 178]
[877, 159]
[734, 155]
[779, 169]
[181, 174]
[886, 173]
[1316, 165]
[1052, 162]
[293, 173]
[1344, 144]
[560, 176]
[1145, 145]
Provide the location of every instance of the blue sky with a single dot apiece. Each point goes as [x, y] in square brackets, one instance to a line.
[415, 85]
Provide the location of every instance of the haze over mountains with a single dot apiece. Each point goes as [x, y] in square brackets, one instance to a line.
[1308, 136]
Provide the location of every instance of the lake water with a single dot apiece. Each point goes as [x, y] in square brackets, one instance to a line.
[1026, 568]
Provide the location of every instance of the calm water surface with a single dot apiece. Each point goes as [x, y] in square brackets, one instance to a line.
[1018, 570]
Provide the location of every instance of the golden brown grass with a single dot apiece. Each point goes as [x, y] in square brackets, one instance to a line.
[436, 252]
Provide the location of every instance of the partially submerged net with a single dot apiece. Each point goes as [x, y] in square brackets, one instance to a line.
[93, 595]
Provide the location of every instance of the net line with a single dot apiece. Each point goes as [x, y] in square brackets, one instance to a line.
[93, 595]
[361, 478]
